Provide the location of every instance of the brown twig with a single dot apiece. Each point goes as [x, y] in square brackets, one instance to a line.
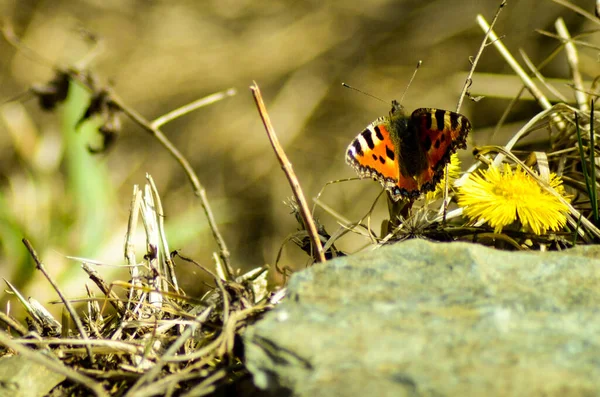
[114, 299]
[185, 258]
[40, 266]
[286, 165]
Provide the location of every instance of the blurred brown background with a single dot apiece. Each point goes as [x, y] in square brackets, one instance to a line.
[160, 55]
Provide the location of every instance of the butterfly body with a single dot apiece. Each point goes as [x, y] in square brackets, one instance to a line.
[407, 154]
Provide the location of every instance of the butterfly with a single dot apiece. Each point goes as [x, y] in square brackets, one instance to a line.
[407, 155]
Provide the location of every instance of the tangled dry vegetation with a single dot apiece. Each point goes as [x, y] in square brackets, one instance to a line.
[147, 337]
[143, 337]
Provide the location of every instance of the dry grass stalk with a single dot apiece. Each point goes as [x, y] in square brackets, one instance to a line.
[289, 172]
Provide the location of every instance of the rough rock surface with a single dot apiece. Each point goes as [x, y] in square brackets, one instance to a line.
[435, 319]
[21, 377]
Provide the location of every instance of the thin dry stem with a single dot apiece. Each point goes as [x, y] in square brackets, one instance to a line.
[155, 370]
[165, 253]
[316, 198]
[537, 94]
[110, 346]
[476, 60]
[134, 212]
[155, 277]
[573, 60]
[529, 84]
[571, 40]
[225, 299]
[12, 323]
[578, 10]
[114, 299]
[339, 217]
[70, 308]
[540, 76]
[185, 258]
[190, 107]
[468, 81]
[23, 301]
[286, 165]
[148, 289]
[517, 97]
[97, 49]
[11, 37]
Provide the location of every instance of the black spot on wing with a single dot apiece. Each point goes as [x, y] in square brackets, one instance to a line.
[378, 133]
[367, 135]
[439, 118]
[427, 143]
[443, 137]
[381, 160]
[437, 143]
[374, 157]
[357, 148]
[390, 153]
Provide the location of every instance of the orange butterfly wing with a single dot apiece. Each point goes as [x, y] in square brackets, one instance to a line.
[372, 154]
[440, 132]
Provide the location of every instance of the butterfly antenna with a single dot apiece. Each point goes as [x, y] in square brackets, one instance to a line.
[364, 93]
[411, 79]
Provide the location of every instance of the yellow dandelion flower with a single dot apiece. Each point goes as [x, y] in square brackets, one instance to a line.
[453, 171]
[501, 197]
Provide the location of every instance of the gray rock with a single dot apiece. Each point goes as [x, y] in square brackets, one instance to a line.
[435, 319]
[20, 377]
